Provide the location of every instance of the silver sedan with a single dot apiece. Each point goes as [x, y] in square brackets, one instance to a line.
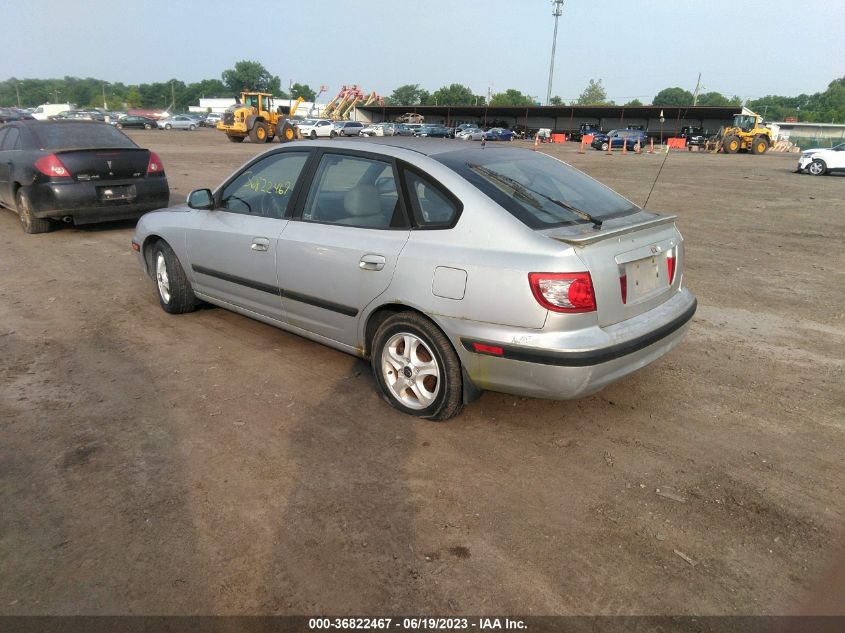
[471, 134]
[178, 122]
[452, 269]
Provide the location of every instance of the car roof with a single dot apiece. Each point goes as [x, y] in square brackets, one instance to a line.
[426, 146]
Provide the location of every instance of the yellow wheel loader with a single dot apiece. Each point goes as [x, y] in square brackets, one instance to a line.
[254, 116]
[747, 133]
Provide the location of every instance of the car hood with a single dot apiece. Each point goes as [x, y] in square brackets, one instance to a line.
[816, 150]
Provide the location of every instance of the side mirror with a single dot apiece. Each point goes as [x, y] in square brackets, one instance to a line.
[201, 199]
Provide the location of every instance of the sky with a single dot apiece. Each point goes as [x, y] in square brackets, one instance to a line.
[748, 48]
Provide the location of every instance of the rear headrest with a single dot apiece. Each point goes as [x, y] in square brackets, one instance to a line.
[362, 200]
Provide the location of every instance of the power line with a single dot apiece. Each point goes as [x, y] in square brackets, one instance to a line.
[557, 11]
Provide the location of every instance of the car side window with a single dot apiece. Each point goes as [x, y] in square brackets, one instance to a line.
[12, 140]
[3, 132]
[266, 187]
[354, 191]
[431, 207]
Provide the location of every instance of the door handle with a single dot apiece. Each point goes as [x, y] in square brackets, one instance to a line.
[260, 244]
[372, 262]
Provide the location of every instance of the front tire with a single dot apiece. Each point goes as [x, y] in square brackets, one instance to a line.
[147, 126]
[29, 222]
[192, 128]
[604, 147]
[258, 133]
[416, 368]
[731, 144]
[817, 167]
[119, 126]
[172, 286]
[168, 127]
[313, 135]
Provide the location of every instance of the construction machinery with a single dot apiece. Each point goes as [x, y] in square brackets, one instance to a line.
[254, 115]
[339, 108]
[747, 133]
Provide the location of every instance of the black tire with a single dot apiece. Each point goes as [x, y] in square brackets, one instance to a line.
[332, 134]
[181, 298]
[119, 126]
[258, 133]
[147, 126]
[287, 134]
[29, 223]
[731, 144]
[235, 139]
[313, 135]
[167, 126]
[448, 383]
[192, 127]
[817, 168]
[604, 147]
[759, 145]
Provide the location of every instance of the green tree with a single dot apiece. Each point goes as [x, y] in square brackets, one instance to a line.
[511, 97]
[594, 94]
[303, 90]
[634, 103]
[673, 97]
[717, 99]
[454, 94]
[409, 95]
[556, 101]
[252, 76]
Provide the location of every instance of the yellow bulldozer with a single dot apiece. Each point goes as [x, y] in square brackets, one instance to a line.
[254, 115]
[747, 133]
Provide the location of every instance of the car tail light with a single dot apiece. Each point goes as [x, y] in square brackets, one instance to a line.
[50, 165]
[563, 292]
[670, 265]
[155, 166]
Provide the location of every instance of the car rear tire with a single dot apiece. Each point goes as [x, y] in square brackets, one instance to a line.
[332, 134]
[817, 167]
[731, 144]
[147, 126]
[258, 133]
[29, 222]
[172, 286]
[416, 368]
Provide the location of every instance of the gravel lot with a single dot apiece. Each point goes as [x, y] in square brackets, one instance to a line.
[208, 463]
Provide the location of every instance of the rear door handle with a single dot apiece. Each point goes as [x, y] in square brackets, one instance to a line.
[372, 262]
[260, 244]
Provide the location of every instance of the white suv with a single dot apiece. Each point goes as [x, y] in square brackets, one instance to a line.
[312, 128]
[823, 160]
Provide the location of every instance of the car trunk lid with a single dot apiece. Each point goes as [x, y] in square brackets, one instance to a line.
[105, 164]
[628, 259]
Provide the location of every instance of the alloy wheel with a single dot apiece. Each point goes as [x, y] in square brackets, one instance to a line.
[410, 370]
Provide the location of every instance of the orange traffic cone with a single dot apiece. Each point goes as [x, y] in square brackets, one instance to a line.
[536, 141]
[609, 146]
[624, 146]
[581, 150]
[651, 146]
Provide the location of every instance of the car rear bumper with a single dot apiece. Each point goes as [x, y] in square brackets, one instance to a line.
[567, 365]
[82, 202]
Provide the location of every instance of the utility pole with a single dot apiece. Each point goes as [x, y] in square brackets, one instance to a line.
[18, 93]
[695, 94]
[557, 11]
[105, 107]
[172, 95]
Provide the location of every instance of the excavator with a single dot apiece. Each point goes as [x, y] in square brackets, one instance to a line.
[254, 115]
[746, 133]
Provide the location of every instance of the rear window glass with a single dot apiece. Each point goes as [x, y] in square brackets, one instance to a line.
[537, 189]
[79, 136]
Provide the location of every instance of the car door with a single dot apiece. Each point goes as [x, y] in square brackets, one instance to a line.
[233, 248]
[5, 169]
[340, 252]
[836, 157]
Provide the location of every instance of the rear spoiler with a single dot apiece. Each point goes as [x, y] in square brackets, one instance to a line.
[584, 234]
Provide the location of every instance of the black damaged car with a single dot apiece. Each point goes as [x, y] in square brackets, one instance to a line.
[76, 171]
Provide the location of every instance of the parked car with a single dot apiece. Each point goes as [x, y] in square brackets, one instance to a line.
[618, 138]
[348, 128]
[46, 110]
[71, 115]
[414, 127]
[470, 134]
[212, 119]
[140, 122]
[586, 289]
[498, 134]
[821, 161]
[369, 130]
[313, 128]
[77, 171]
[695, 137]
[14, 114]
[433, 131]
[586, 129]
[178, 122]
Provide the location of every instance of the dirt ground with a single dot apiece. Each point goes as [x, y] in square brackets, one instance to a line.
[208, 463]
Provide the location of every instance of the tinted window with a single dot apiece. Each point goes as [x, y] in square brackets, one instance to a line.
[79, 136]
[3, 132]
[536, 188]
[265, 188]
[354, 191]
[12, 140]
[430, 205]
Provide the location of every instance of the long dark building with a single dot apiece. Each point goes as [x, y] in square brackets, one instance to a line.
[564, 118]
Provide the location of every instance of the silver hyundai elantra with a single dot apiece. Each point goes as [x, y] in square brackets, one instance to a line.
[452, 268]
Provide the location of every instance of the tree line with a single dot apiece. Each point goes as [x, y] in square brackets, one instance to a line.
[827, 106]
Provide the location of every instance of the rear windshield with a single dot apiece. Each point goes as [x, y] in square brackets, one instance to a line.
[79, 136]
[537, 189]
